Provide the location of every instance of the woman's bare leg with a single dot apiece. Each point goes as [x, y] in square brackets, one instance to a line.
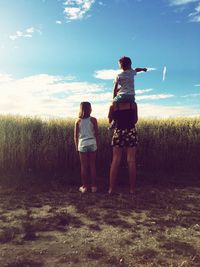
[131, 151]
[117, 153]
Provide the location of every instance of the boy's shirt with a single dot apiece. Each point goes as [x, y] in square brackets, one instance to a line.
[125, 82]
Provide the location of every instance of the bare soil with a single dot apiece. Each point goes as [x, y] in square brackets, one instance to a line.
[58, 226]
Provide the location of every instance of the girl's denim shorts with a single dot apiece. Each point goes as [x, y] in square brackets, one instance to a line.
[90, 148]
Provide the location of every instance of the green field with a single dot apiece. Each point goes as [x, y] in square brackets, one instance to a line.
[36, 146]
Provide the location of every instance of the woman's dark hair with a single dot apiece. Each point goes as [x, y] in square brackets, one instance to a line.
[85, 110]
[125, 63]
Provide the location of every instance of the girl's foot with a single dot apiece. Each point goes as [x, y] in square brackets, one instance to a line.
[111, 192]
[94, 189]
[132, 191]
[83, 189]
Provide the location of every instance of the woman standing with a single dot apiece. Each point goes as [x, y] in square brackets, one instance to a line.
[124, 136]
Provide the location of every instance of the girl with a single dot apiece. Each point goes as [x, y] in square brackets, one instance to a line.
[86, 140]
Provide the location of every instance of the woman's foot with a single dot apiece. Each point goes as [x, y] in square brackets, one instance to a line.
[94, 189]
[110, 191]
[83, 189]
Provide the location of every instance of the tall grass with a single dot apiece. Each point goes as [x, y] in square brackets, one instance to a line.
[38, 146]
[169, 144]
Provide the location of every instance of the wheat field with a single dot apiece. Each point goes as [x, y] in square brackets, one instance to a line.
[34, 145]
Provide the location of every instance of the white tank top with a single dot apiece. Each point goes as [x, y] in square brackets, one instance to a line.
[86, 133]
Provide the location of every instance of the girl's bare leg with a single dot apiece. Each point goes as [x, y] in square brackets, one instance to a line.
[84, 167]
[131, 151]
[92, 164]
[117, 153]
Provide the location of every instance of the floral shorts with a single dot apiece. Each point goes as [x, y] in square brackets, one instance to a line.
[125, 138]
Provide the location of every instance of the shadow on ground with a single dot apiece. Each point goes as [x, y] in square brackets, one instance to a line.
[56, 225]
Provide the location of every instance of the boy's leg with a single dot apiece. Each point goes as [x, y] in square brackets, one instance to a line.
[92, 164]
[110, 114]
[84, 167]
[131, 151]
[117, 153]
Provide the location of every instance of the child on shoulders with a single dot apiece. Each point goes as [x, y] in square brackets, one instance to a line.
[124, 87]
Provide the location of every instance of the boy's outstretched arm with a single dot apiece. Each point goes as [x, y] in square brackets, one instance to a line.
[110, 114]
[140, 69]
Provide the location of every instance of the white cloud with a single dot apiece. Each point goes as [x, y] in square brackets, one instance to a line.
[49, 96]
[58, 22]
[195, 16]
[110, 74]
[191, 95]
[106, 74]
[142, 91]
[30, 30]
[27, 33]
[5, 78]
[197, 85]
[154, 97]
[157, 111]
[77, 9]
[181, 2]
[46, 95]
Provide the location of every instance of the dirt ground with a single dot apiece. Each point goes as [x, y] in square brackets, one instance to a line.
[58, 226]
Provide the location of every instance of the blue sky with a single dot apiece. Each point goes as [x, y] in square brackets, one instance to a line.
[56, 53]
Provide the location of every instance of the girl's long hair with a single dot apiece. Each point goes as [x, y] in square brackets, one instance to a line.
[85, 110]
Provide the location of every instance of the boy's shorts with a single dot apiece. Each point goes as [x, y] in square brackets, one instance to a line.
[124, 98]
[90, 148]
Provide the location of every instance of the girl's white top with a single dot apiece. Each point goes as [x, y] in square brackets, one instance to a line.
[125, 81]
[86, 133]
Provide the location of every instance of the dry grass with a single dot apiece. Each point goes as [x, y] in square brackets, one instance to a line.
[31, 145]
[57, 226]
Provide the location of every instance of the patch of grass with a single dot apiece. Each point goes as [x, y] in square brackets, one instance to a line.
[72, 258]
[63, 228]
[180, 248]
[146, 254]
[7, 234]
[24, 263]
[96, 252]
[114, 219]
[94, 227]
[29, 231]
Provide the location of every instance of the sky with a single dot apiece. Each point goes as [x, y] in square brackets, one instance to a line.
[55, 54]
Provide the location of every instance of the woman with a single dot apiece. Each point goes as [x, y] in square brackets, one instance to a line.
[124, 136]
